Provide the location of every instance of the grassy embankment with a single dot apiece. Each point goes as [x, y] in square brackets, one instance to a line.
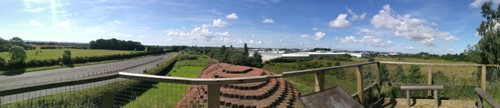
[168, 94]
[57, 53]
[460, 84]
[89, 97]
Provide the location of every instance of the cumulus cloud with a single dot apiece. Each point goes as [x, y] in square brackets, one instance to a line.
[304, 36]
[479, 3]
[368, 40]
[316, 36]
[315, 29]
[117, 22]
[268, 21]
[319, 35]
[219, 23]
[118, 34]
[232, 16]
[355, 16]
[34, 23]
[198, 33]
[63, 24]
[408, 27]
[340, 22]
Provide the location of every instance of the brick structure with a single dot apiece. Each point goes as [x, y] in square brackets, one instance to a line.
[271, 93]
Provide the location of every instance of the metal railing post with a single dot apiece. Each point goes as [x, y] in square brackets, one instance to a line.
[320, 81]
[359, 78]
[483, 77]
[213, 96]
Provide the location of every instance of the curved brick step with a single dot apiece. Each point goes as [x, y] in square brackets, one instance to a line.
[272, 100]
[248, 86]
[253, 94]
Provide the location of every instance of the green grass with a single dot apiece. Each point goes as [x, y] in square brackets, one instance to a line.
[57, 53]
[168, 94]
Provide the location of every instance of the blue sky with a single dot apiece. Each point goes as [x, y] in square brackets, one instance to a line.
[437, 26]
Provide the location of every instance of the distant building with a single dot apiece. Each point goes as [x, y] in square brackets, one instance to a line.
[323, 54]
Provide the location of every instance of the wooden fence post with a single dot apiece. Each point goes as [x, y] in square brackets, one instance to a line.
[483, 77]
[320, 81]
[108, 99]
[429, 80]
[378, 75]
[213, 96]
[359, 78]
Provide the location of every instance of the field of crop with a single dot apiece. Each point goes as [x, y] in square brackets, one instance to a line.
[168, 94]
[57, 53]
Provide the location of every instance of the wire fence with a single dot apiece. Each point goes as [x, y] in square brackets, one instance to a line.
[459, 84]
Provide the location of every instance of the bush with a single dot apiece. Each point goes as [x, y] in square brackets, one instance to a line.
[66, 57]
[17, 58]
[2, 63]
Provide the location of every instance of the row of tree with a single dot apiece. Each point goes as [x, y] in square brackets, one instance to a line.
[5, 45]
[115, 44]
[232, 55]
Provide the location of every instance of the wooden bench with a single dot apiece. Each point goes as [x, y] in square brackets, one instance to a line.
[408, 88]
[483, 96]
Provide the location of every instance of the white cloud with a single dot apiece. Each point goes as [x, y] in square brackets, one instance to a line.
[198, 33]
[319, 35]
[232, 16]
[35, 23]
[355, 16]
[268, 21]
[315, 29]
[33, 6]
[117, 22]
[369, 40]
[409, 47]
[304, 36]
[479, 3]
[410, 28]
[219, 23]
[340, 22]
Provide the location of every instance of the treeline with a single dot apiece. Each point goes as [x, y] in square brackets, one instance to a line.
[425, 55]
[5, 45]
[115, 44]
[232, 55]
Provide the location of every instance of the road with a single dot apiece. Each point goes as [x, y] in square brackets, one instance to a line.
[26, 79]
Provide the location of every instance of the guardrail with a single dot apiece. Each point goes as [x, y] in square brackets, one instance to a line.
[483, 96]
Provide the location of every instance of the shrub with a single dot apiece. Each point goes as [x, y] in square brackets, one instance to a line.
[67, 57]
[187, 57]
[18, 56]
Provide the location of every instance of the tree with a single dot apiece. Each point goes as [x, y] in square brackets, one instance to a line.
[238, 59]
[399, 76]
[384, 73]
[17, 56]
[414, 76]
[4, 45]
[17, 41]
[67, 57]
[256, 59]
[488, 45]
[2, 63]
[245, 49]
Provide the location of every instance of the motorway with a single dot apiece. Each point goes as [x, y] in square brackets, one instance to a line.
[32, 78]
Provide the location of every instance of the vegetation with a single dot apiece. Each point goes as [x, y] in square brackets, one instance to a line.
[231, 55]
[17, 58]
[89, 97]
[115, 44]
[168, 94]
[66, 57]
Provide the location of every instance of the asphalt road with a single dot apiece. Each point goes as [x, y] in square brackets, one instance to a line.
[26, 79]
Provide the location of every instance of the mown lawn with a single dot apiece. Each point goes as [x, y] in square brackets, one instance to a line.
[168, 94]
[57, 53]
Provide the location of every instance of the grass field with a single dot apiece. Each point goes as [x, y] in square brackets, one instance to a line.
[168, 94]
[57, 53]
